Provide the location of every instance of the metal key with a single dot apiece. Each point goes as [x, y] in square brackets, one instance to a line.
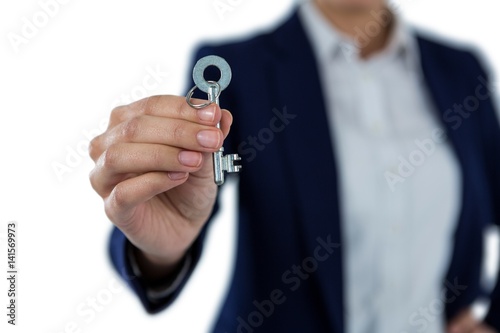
[221, 162]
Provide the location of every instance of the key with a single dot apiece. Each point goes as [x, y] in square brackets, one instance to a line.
[222, 163]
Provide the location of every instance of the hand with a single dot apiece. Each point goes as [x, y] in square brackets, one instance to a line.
[153, 169]
[465, 322]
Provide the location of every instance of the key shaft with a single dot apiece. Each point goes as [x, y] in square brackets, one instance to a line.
[218, 155]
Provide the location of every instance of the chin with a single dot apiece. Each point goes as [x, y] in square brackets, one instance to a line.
[353, 5]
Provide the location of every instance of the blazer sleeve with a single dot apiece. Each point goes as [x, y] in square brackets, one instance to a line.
[119, 254]
[491, 143]
[119, 247]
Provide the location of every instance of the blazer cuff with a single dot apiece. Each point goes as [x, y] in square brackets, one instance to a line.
[493, 316]
[153, 298]
[159, 292]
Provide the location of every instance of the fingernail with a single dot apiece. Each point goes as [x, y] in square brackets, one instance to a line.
[177, 175]
[207, 114]
[190, 158]
[208, 138]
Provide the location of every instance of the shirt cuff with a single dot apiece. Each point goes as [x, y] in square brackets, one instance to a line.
[158, 291]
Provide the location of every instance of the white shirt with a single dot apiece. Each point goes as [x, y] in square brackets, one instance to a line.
[397, 232]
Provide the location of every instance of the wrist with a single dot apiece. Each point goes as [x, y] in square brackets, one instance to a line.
[154, 268]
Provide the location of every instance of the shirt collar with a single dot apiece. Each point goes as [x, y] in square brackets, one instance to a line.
[328, 42]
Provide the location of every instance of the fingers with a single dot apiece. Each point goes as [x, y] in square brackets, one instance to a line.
[153, 145]
[121, 205]
[124, 160]
[165, 131]
[226, 122]
[165, 106]
[190, 132]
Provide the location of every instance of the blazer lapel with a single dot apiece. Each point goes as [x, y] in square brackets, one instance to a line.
[448, 88]
[311, 161]
[443, 92]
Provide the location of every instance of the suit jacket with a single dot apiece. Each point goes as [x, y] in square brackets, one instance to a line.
[289, 206]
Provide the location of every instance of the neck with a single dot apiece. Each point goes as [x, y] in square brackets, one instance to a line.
[369, 28]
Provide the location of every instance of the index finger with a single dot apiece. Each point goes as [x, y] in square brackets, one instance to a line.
[167, 106]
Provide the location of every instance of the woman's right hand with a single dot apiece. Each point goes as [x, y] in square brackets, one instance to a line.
[153, 170]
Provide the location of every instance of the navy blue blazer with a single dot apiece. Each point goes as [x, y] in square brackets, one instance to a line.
[289, 208]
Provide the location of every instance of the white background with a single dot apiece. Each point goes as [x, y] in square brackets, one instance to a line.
[63, 82]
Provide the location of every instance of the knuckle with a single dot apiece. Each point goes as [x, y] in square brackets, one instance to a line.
[149, 104]
[178, 132]
[122, 113]
[183, 112]
[118, 197]
[117, 112]
[93, 179]
[157, 158]
[110, 158]
[96, 181]
[113, 204]
[110, 209]
[95, 148]
[129, 130]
